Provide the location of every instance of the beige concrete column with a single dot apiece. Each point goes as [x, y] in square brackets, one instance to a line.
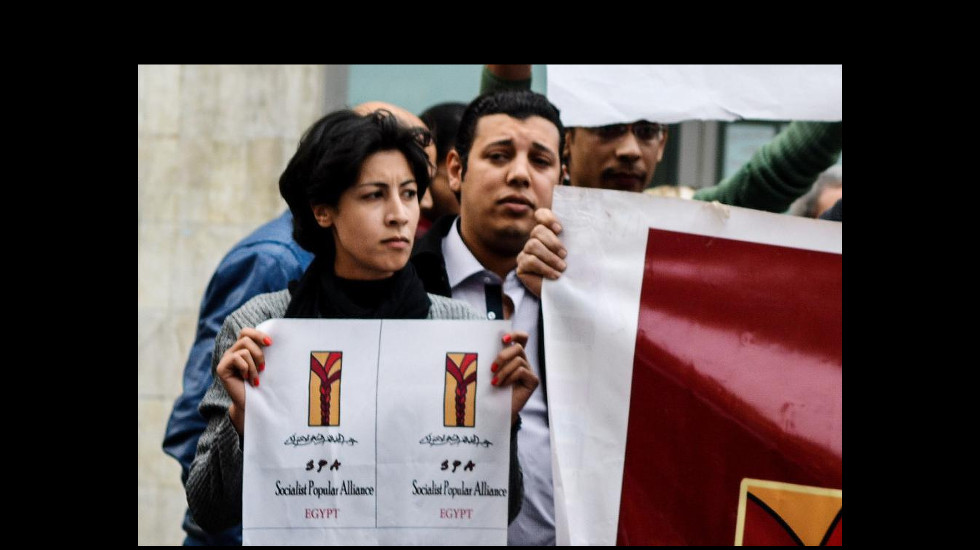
[212, 142]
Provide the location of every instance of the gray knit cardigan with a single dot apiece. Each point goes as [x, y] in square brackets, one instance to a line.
[214, 484]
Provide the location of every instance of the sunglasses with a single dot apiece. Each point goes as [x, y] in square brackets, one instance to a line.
[643, 130]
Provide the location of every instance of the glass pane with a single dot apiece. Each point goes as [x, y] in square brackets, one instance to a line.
[741, 141]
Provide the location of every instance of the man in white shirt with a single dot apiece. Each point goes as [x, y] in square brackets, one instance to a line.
[505, 166]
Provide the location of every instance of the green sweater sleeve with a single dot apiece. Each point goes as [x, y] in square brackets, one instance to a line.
[782, 170]
[490, 83]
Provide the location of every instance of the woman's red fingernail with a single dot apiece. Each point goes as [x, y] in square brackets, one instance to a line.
[493, 367]
[507, 338]
[256, 382]
[261, 367]
[494, 381]
[267, 341]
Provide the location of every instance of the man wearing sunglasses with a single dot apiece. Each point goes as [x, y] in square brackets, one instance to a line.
[618, 156]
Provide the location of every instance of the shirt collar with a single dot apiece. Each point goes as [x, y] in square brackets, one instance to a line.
[461, 264]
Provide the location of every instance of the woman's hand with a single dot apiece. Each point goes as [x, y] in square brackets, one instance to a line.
[242, 363]
[511, 368]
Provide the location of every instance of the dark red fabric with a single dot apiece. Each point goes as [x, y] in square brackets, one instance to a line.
[836, 535]
[737, 373]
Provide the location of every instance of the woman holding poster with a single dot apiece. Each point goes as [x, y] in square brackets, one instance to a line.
[353, 187]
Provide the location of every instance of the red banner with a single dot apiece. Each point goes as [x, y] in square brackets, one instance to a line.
[694, 373]
[737, 374]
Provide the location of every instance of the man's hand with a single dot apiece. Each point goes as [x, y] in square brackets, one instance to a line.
[543, 254]
[511, 72]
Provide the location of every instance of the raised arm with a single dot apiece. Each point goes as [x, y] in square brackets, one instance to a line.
[498, 78]
[782, 170]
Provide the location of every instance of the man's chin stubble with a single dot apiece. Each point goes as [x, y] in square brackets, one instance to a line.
[508, 241]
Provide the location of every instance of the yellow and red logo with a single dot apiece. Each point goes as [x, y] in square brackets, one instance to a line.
[460, 396]
[325, 388]
[772, 513]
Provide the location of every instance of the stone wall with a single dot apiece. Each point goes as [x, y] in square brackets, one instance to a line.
[212, 141]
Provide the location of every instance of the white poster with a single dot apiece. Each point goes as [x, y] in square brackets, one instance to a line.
[594, 95]
[377, 432]
[591, 317]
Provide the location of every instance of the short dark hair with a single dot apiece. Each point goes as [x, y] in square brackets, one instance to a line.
[328, 161]
[443, 121]
[520, 104]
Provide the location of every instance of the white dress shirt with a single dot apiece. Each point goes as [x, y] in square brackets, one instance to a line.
[535, 525]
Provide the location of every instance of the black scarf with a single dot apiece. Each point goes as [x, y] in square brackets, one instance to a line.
[320, 294]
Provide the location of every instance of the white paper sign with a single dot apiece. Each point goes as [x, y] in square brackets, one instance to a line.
[594, 95]
[377, 432]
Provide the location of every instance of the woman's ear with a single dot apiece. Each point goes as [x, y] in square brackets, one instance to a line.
[323, 214]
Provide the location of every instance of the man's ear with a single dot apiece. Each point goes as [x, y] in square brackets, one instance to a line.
[663, 144]
[566, 151]
[455, 171]
[323, 214]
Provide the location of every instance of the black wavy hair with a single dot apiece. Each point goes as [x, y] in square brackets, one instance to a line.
[328, 161]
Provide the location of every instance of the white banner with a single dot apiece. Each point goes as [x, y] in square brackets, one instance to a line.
[377, 432]
[593, 325]
[595, 95]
